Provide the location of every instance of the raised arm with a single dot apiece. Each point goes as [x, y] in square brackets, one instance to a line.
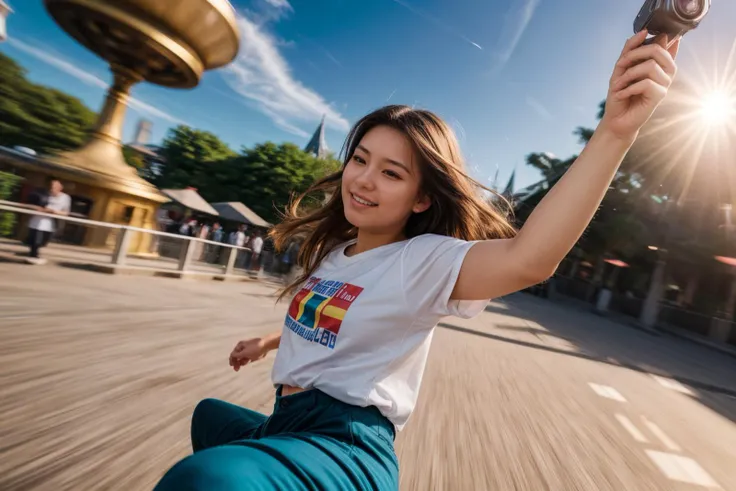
[640, 81]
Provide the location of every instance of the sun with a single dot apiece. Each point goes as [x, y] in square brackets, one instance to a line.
[718, 108]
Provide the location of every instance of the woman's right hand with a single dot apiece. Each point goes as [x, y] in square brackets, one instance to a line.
[248, 351]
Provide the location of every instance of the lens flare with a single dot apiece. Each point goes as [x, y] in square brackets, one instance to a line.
[718, 108]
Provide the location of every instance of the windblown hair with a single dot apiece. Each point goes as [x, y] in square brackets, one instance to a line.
[458, 206]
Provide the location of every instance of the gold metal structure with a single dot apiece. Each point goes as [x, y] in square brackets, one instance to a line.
[165, 42]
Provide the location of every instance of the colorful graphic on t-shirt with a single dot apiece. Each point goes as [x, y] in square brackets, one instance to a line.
[317, 311]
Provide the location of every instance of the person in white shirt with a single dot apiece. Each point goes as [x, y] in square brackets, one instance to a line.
[41, 228]
[256, 245]
[405, 239]
[238, 238]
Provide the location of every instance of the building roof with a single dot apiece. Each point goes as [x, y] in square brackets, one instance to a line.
[190, 199]
[238, 212]
[318, 145]
[147, 150]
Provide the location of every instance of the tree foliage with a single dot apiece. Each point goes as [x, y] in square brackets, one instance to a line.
[134, 159]
[36, 116]
[665, 195]
[265, 176]
[8, 182]
[262, 177]
[190, 156]
[617, 228]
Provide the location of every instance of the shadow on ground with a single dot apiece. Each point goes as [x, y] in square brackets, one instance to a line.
[709, 373]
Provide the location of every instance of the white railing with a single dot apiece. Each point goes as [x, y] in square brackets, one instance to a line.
[125, 233]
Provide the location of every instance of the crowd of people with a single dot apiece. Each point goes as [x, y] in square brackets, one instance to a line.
[262, 255]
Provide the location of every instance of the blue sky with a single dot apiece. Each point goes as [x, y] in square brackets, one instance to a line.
[511, 77]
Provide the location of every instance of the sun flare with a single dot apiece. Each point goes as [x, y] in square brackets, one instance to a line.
[717, 108]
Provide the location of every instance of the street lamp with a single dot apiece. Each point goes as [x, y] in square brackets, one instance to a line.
[5, 10]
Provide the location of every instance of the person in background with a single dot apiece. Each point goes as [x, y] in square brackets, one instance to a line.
[187, 227]
[216, 235]
[289, 260]
[199, 250]
[41, 228]
[268, 252]
[237, 238]
[256, 246]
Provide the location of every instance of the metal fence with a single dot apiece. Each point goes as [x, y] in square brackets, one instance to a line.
[163, 250]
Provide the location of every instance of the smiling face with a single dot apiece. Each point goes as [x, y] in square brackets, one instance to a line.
[381, 183]
[55, 188]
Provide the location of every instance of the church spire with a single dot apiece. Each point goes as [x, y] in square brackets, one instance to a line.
[509, 191]
[318, 145]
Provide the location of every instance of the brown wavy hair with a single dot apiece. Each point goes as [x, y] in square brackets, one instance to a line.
[459, 208]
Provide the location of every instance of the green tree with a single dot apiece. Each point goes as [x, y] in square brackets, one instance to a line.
[265, 177]
[36, 116]
[617, 229]
[8, 182]
[585, 134]
[189, 157]
[658, 198]
[551, 167]
[134, 159]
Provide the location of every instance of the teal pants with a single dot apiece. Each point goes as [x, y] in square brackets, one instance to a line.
[310, 442]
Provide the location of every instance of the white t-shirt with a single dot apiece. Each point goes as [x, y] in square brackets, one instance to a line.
[60, 202]
[360, 328]
[257, 245]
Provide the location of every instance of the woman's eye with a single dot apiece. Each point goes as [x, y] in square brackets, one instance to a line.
[358, 159]
[392, 174]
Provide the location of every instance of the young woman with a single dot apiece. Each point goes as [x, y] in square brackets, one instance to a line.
[405, 239]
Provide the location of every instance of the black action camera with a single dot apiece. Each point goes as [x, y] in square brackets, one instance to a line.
[671, 17]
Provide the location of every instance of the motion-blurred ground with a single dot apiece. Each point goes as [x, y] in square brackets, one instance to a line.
[99, 375]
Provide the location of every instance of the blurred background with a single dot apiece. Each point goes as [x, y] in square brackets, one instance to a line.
[178, 130]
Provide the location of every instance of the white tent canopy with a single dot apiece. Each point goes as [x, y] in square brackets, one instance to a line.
[238, 212]
[190, 199]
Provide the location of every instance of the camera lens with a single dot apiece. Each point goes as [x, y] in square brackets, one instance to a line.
[690, 8]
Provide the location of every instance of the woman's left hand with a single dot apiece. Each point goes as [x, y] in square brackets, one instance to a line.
[640, 81]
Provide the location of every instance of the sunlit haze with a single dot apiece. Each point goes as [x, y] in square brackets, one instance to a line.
[718, 108]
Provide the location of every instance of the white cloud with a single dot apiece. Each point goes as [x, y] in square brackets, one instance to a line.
[145, 108]
[280, 4]
[515, 24]
[264, 11]
[538, 108]
[88, 78]
[56, 62]
[264, 79]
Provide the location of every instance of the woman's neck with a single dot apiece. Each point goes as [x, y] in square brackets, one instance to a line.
[370, 240]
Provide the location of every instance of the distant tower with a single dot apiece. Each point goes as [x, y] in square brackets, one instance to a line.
[508, 192]
[5, 10]
[494, 184]
[317, 146]
[142, 131]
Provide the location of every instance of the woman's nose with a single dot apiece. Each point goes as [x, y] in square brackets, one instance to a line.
[365, 178]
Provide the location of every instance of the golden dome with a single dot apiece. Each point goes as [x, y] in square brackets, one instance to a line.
[166, 42]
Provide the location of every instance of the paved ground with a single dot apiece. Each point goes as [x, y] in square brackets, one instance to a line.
[99, 375]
